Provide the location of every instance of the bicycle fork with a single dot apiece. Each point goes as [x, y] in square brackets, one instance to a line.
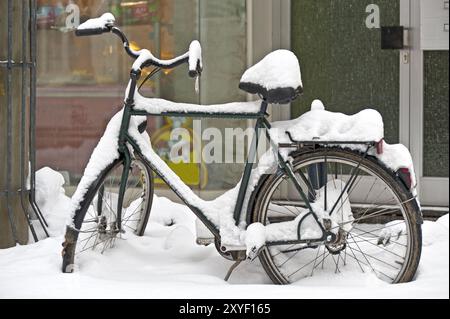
[122, 188]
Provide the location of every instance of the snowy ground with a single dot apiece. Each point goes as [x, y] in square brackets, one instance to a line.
[167, 263]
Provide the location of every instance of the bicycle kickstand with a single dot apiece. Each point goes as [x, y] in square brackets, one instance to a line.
[233, 267]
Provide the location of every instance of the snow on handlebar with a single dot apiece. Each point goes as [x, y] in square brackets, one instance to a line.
[195, 59]
[144, 58]
[96, 25]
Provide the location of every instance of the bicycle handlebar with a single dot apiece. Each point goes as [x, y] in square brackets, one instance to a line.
[102, 24]
[143, 58]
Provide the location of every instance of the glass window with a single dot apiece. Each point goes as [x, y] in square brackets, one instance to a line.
[81, 80]
[223, 34]
[435, 114]
[341, 58]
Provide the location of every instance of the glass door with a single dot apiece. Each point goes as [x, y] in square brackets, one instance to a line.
[434, 135]
[338, 44]
[339, 47]
[429, 82]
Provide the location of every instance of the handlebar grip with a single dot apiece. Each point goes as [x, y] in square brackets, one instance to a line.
[94, 26]
[195, 59]
[86, 32]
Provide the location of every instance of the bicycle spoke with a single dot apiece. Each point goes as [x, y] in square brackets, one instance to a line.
[337, 266]
[372, 230]
[376, 236]
[358, 261]
[87, 240]
[362, 203]
[309, 263]
[290, 213]
[373, 238]
[281, 251]
[314, 266]
[348, 195]
[354, 256]
[378, 246]
[367, 255]
[370, 190]
[106, 238]
[295, 254]
[373, 214]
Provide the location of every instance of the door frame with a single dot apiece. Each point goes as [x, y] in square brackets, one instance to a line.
[433, 191]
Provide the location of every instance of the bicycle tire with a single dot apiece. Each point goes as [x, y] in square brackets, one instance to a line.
[411, 210]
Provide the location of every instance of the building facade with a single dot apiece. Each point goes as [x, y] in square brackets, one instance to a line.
[81, 81]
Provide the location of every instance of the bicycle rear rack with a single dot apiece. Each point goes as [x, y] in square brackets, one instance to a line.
[300, 144]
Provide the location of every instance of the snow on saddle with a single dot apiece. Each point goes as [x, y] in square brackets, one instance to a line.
[276, 78]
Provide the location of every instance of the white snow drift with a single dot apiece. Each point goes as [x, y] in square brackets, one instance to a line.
[166, 263]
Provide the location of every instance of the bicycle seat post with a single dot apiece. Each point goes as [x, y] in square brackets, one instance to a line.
[249, 163]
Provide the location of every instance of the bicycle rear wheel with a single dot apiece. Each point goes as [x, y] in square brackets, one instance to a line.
[376, 220]
[96, 222]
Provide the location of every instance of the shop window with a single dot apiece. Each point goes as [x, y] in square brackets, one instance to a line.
[81, 81]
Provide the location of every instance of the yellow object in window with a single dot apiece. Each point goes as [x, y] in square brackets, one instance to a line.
[192, 173]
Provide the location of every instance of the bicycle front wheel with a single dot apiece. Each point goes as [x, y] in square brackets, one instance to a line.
[376, 220]
[100, 227]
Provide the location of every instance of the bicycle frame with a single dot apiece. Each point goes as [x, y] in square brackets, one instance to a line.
[302, 163]
[261, 123]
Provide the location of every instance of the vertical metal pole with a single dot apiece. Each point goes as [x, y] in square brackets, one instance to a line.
[23, 187]
[248, 167]
[33, 116]
[123, 186]
[9, 120]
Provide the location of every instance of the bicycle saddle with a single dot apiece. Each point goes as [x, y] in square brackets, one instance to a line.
[276, 78]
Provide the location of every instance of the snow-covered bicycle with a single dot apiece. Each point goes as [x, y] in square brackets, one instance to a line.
[329, 195]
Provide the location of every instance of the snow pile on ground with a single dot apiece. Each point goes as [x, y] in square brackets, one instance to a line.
[167, 263]
[51, 199]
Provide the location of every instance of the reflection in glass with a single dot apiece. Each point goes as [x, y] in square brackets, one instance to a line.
[81, 81]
